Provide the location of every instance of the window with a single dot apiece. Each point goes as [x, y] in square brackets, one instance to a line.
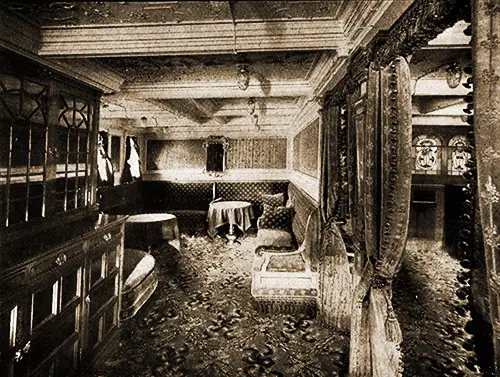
[426, 153]
[457, 155]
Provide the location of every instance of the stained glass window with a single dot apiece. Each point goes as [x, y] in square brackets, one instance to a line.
[457, 155]
[427, 154]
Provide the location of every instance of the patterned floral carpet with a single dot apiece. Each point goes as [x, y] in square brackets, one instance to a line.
[201, 322]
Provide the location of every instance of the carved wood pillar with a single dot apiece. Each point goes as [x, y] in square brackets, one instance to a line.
[486, 58]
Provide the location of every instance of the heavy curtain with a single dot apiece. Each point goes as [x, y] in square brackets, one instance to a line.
[132, 169]
[375, 332]
[335, 277]
[105, 175]
[486, 59]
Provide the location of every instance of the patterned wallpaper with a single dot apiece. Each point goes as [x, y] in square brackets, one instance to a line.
[306, 149]
[175, 154]
[242, 154]
[257, 154]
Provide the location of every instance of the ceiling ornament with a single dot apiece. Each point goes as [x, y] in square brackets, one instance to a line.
[251, 107]
[243, 77]
[453, 75]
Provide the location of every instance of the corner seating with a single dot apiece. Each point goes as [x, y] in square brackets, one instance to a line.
[284, 276]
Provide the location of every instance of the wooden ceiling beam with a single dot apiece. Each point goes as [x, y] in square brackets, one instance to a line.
[179, 90]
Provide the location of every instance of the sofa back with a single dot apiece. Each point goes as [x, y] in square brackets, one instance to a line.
[196, 196]
[125, 199]
[306, 208]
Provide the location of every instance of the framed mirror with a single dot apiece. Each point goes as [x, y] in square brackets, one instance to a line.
[216, 147]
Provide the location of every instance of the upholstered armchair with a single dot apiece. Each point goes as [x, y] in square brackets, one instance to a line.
[282, 277]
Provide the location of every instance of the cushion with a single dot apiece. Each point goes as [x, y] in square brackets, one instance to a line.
[276, 218]
[274, 237]
[273, 200]
[141, 270]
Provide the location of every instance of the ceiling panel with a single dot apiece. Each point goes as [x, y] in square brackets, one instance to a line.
[124, 12]
[209, 68]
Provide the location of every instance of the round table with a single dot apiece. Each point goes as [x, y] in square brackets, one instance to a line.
[237, 213]
[143, 230]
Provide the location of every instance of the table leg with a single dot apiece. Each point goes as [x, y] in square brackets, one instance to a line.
[231, 237]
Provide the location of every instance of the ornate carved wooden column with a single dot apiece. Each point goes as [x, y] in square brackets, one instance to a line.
[486, 58]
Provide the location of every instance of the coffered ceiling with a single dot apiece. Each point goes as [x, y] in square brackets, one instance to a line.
[174, 63]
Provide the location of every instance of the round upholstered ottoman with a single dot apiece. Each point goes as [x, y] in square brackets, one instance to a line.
[139, 281]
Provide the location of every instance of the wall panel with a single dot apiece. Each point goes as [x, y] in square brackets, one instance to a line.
[257, 154]
[268, 153]
[175, 154]
[306, 149]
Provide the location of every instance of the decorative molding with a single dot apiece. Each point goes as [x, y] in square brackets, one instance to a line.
[90, 72]
[189, 132]
[18, 34]
[327, 68]
[216, 37]
[213, 139]
[23, 37]
[423, 21]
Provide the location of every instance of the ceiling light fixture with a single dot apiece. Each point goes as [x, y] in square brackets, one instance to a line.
[453, 75]
[243, 77]
[251, 105]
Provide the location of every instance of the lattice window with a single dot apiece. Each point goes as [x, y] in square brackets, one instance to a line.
[457, 155]
[426, 153]
[72, 152]
[23, 149]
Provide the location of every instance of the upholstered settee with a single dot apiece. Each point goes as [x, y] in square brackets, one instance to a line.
[284, 271]
[139, 281]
